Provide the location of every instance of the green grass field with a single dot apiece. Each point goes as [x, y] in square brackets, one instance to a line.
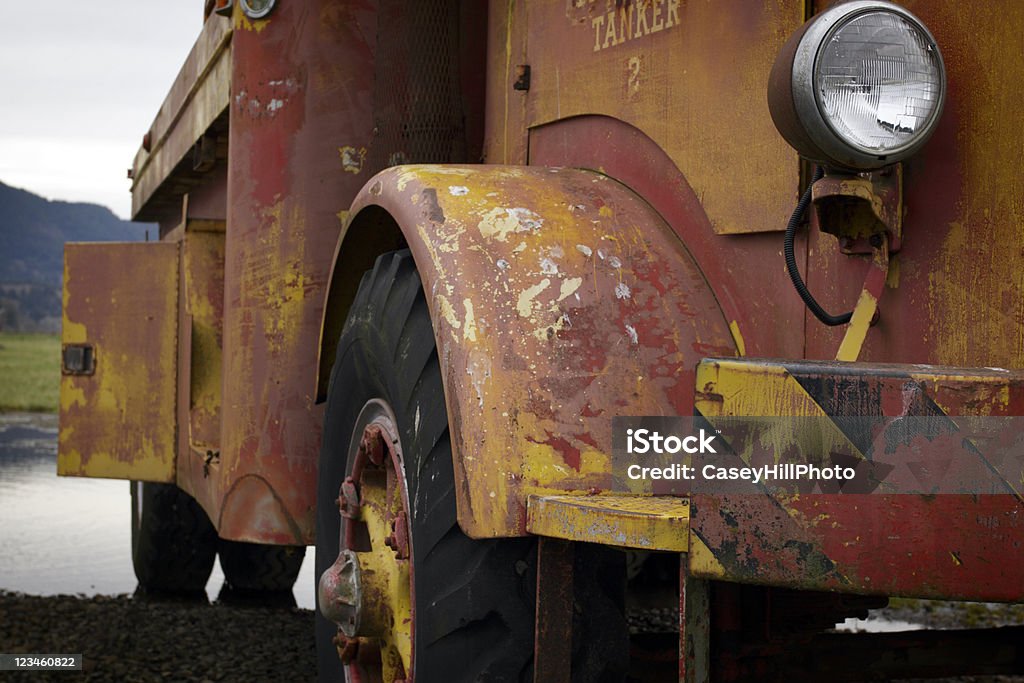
[29, 372]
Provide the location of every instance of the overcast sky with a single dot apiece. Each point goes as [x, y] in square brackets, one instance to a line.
[80, 82]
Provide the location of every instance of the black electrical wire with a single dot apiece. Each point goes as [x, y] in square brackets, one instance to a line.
[794, 274]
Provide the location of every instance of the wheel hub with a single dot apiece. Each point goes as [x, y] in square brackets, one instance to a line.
[340, 590]
[367, 592]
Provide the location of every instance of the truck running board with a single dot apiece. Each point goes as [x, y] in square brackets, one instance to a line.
[624, 521]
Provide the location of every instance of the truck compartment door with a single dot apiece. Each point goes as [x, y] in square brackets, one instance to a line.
[119, 361]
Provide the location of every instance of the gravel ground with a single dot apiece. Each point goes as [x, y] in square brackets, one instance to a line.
[141, 639]
[136, 639]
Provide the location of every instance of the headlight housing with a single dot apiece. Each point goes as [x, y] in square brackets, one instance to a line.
[257, 9]
[859, 87]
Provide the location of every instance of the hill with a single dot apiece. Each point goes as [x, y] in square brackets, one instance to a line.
[33, 231]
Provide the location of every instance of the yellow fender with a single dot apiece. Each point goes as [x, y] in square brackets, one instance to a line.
[559, 299]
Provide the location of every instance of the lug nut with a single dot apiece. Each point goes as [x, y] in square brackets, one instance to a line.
[349, 501]
[348, 648]
[399, 538]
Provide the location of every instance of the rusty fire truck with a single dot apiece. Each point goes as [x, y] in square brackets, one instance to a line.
[415, 256]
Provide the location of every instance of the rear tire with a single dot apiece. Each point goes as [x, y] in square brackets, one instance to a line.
[173, 541]
[253, 568]
[473, 598]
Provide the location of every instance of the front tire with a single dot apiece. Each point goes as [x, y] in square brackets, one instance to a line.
[473, 600]
[173, 541]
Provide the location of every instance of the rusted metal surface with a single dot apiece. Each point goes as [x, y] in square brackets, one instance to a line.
[282, 226]
[368, 591]
[200, 359]
[691, 76]
[644, 522]
[856, 207]
[694, 627]
[203, 267]
[949, 546]
[198, 97]
[119, 420]
[640, 91]
[757, 300]
[553, 634]
[339, 593]
[505, 129]
[320, 95]
[956, 294]
[559, 299]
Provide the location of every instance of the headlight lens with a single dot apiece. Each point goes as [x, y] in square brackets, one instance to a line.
[860, 86]
[878, 79]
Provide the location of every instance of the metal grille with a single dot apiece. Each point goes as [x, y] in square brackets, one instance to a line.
[418, 108]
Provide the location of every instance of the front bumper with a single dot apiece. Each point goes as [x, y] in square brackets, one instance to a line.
[968, 547]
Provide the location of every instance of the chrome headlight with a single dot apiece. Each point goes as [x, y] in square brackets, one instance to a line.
[257, 9]
[860, 86]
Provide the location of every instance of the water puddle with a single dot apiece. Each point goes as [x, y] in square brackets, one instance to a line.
[72, 535]
[877, 625]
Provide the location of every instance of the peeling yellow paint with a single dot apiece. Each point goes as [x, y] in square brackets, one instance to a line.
[119, 422]
[853, 340]
[569, 287]
[285, 287]
[448, 311]
[428, 242]
[734, 327]
[244, 23]
[526, 297]
[765, 389]
[71, 396]
[545, 332]
[544, 464]
[352, 158]
[72, 332]
[892, 279]
[469, 333]
[645, 522]
[702, 560]
[500, 222]
[385, 578]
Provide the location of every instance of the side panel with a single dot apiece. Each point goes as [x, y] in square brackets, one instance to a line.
[691, 75]
[117, 417]
[324, 94]
[300, 114]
